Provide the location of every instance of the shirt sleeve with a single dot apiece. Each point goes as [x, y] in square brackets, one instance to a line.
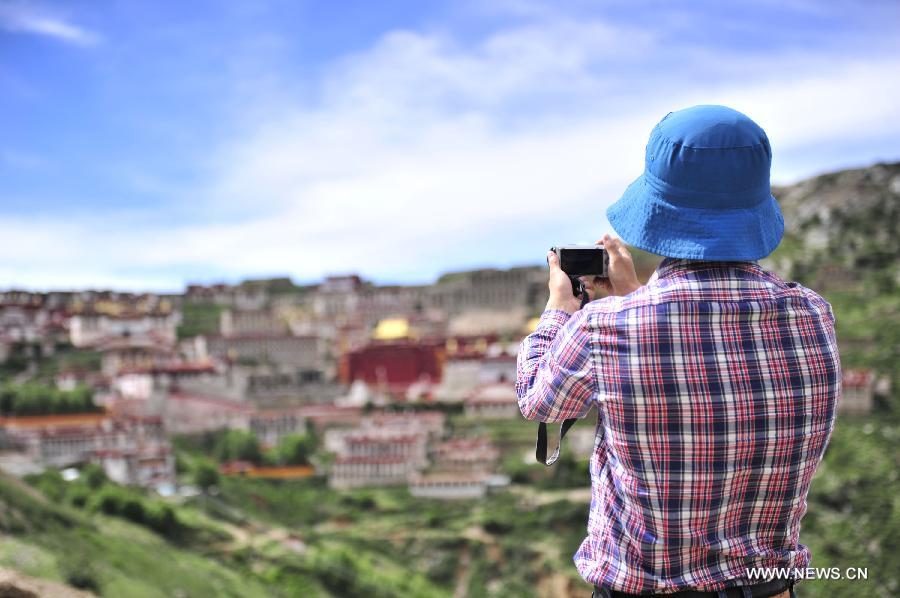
[555, 378]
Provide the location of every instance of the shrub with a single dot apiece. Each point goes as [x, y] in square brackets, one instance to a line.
[364, 502]
[295, 449]
[161, 518]
[51, 483]
[206, 476]
[79, 496]
[109, 500]
[493, 526]
[94, 475]
[133, 510]
[35, 398]
[79, 573]
[238, 444]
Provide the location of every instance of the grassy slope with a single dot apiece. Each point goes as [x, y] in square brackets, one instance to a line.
[382, 542]
[514, 545]
[854, 509]
[404, 546]
[47, 540]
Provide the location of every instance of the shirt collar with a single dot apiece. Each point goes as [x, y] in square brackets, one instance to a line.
[674, 267]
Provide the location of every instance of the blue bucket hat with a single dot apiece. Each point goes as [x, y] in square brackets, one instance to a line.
[705, 191]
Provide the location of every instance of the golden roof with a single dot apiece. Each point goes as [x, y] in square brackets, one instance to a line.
[391, 329]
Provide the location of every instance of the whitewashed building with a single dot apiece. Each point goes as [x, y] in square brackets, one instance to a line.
[132, 449]
[467, 455]
[271, 426]
[356, 472]
[858, 391]
[463, 375]
[493, 401]
[238, 322]
[302, 352]
[148, 467]
[90, 328]
[189, 413]
[449, 486]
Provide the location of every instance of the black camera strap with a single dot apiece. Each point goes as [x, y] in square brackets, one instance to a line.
[540, 450]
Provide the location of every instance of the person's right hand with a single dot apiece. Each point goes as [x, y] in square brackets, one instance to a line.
[561, 296]
[622, 275]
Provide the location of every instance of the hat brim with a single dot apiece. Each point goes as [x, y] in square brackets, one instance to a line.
[644, 219]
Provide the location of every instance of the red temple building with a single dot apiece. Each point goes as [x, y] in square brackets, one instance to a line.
[393, 366]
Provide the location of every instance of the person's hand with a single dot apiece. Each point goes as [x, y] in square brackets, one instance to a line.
[561, 296]
[622, 276]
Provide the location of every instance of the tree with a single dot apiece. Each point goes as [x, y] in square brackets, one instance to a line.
[295, 449]
[80, 573]
[162, 519]
[94, 475]
[35, 398]
[240, 445]
[7, 399]
[206, 476]
[133, 509]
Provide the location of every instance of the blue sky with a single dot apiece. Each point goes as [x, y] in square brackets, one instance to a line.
[147, 144]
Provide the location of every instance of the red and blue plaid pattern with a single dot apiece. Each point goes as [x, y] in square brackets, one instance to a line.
[716, 386]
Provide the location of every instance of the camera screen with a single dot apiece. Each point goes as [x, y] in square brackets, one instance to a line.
[582, 261]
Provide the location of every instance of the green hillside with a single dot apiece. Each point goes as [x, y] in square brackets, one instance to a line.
[299, 538]
[296, 538]
[51, 539]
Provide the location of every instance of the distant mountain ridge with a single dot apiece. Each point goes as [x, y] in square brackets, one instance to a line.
[841, 229]
[842, 239]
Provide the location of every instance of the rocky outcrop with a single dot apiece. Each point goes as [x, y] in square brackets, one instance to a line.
[17, 585]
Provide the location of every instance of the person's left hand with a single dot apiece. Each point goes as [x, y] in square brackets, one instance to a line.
[622, 279]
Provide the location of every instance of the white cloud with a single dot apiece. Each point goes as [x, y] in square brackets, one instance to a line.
[420, 150]
[413, 142]
[22, 18]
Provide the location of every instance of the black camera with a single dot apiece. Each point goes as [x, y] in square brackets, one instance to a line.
[582, 260]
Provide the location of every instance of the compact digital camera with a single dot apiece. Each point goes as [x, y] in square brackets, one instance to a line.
[582, 260]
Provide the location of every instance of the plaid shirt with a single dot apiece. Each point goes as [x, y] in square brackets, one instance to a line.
[716, 386]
